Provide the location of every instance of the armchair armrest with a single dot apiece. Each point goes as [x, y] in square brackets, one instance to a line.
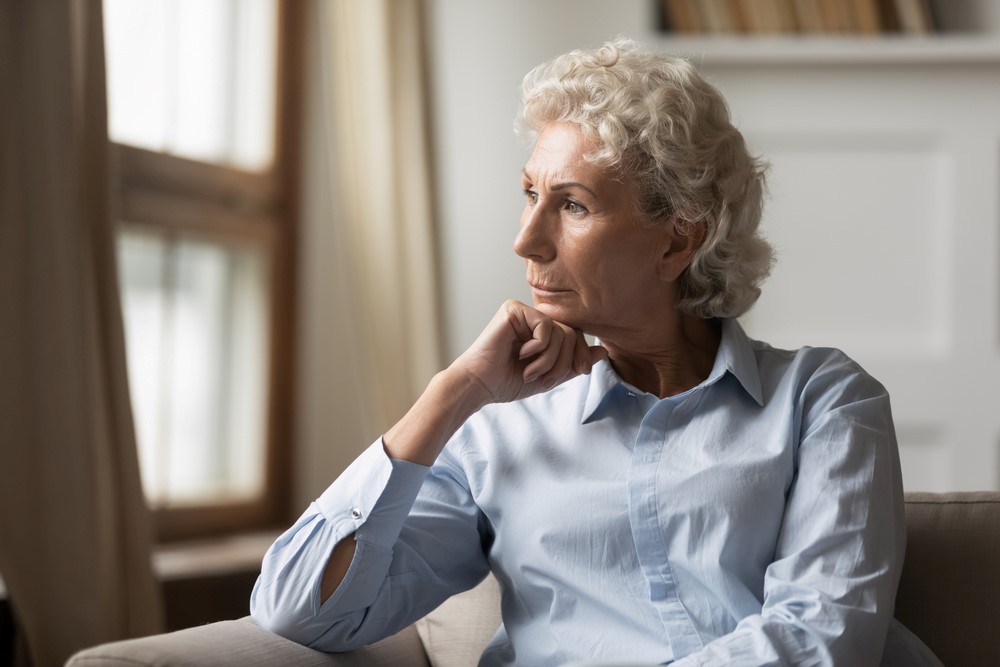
[242, 643]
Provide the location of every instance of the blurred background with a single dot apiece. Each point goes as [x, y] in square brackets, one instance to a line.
[314, 205]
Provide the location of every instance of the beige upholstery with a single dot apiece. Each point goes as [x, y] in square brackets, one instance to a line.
[949, 594]
[242, 644]
[948, 597]
[459, 644]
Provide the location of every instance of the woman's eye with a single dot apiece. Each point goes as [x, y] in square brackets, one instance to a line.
[575, 208]
[532, 196]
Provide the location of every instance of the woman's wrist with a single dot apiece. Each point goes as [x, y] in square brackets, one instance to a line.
[465, 389]
[451, 397]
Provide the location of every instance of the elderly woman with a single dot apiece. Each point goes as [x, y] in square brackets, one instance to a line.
[678, 493]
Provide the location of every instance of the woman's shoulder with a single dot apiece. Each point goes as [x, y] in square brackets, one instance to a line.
[823, 387]
[826, 374]
[807, 357]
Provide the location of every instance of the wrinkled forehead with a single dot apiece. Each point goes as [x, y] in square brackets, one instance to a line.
[562, 149]
[587, 147]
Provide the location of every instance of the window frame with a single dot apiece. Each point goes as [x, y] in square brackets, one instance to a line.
[176, 196]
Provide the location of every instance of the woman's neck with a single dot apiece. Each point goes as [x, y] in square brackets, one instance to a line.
[668, 359]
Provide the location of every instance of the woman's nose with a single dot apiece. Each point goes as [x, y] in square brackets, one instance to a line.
[534, 241]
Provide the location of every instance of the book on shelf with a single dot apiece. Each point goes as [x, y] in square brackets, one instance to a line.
[813, 17]
[719, 16]
[780, 16]
[834, 16]
[682, 16]
[810, 16]
[888, 15]
[866, 17]
[915, 16]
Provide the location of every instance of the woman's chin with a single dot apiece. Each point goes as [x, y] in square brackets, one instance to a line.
[568, 316]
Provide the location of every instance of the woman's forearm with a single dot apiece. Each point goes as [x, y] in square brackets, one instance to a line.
[448, 401]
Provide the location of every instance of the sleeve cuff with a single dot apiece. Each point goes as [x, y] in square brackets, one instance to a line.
[373, 497]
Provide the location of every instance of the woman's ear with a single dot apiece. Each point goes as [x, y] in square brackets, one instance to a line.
[683, 239]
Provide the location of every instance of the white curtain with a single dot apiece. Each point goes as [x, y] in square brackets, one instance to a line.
[75, 533]
[371, 330]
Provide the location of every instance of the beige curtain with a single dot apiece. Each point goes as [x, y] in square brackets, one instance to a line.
[74, 529]
[371, 335]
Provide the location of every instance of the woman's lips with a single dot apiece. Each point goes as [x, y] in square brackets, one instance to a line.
[546, 289]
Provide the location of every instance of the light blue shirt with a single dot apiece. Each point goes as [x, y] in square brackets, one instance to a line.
[756, 519]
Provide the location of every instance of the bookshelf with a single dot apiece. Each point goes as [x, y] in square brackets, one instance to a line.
[863, 17]
[959, 33]
[733, 50]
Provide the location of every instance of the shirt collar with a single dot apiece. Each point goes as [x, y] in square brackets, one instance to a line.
[736, 356]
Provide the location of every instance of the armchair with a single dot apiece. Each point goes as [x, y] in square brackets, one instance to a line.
[947, 596]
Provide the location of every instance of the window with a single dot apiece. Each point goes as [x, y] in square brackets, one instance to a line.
[196, 312]
[200, 107]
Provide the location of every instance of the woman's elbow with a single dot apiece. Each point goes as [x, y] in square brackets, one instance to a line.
[295, 619]
[286, 617]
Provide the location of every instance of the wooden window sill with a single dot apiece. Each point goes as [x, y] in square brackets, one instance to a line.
[212, 557]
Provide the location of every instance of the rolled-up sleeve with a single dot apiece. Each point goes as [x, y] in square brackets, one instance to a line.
[370, 499]
[829, 594]
[396, 573]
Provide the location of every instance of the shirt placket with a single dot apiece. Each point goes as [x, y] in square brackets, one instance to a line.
[650, 542]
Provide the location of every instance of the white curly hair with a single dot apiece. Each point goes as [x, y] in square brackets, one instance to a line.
[659, 122]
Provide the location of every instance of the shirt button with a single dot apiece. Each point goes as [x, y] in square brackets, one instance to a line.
[657, 591]
[355, 513]
[630, 394]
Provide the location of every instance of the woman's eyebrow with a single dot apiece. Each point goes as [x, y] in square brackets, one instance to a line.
[573, 184]
[561, 186]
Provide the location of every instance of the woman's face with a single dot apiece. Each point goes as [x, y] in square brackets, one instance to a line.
[590, 263]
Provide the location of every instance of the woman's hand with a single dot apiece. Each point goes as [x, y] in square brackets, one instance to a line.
[521, 352]
[524, 352]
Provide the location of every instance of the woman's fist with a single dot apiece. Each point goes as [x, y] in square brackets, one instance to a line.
[522, 352]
